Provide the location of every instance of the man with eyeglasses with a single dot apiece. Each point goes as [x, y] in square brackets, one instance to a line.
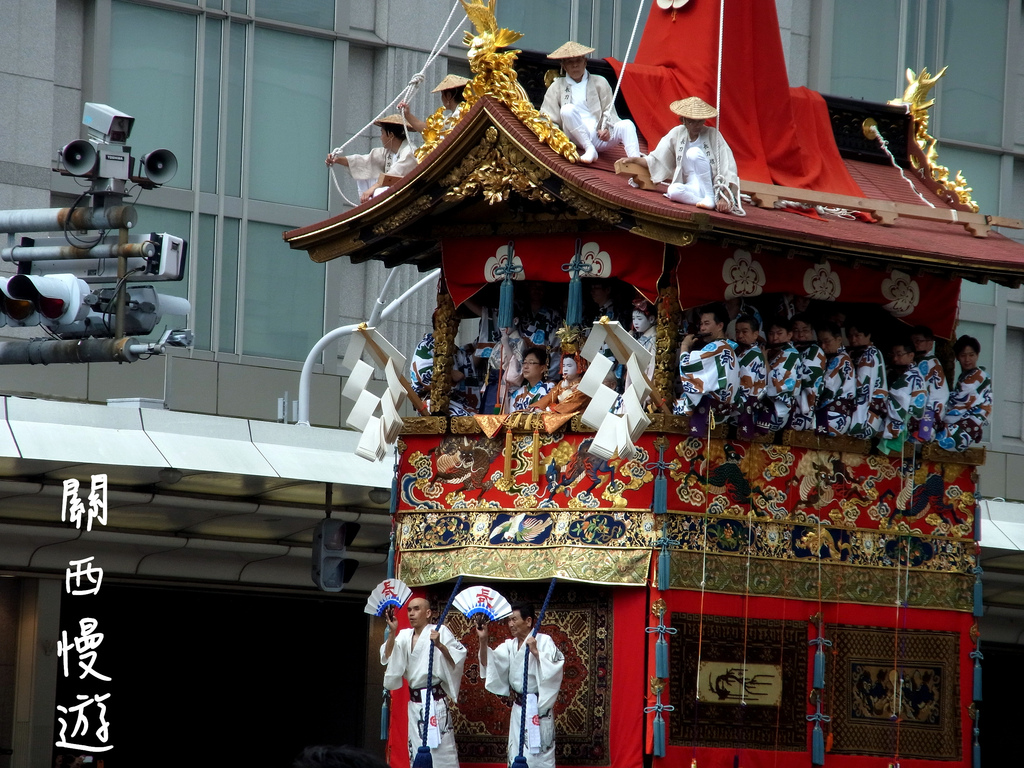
[502, 671]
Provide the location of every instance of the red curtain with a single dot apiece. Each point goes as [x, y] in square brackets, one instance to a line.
[778, 135]
[470, 263]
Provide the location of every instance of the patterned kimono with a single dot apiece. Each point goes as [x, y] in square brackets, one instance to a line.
[711, 372]
[421, 374]
[783, 386]
[930, 420]
[753, 375]
[838, 395]
[907, 399]
[528, 395]
[872, 400]
[967, 411]
[812, 373]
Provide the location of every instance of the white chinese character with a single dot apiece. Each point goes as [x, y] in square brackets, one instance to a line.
[77, 510]
[97, 501]
[86, 645]
[82, 724]
[93, 575]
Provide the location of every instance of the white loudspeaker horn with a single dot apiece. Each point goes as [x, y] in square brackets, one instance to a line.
[78, 157]
[159, 166]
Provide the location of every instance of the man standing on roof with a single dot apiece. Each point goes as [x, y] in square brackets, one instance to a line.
[581, 104]
[451, 89]
[695, 160]
[395, 158]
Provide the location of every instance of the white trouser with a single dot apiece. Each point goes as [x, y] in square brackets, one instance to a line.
[697, 188]
[444, 756]
[364, 184]
[581, 127]
[546, 758]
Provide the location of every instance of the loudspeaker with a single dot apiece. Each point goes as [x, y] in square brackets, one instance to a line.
[159, 166]
[79, 157]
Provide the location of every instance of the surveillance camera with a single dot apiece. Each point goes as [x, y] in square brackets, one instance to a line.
[106, 123]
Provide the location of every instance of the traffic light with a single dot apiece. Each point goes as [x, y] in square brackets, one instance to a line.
[331, 569]
[58, 299]
[16, 313]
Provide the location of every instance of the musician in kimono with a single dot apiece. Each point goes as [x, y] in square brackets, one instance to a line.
[502, 671]
[753, 373]
[907, 396]
[812, 371]
[923, 430]
[970, 403]
[783, 376]
[872, 398]
[838, 395]
[709, 370]
[407, 654]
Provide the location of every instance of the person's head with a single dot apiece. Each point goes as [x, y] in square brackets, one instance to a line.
[747, 329]
[643, 315]
[392, 132]
[573, 366]
[450, 89]
[420, 612]
[780, 330]
[803, 330]
[535, 364]
[967, 349]
[830, 337]
[902, 352]
[572, 57]
[520, 623]
[337, 757]
[923, 339]
[859, 334]
[600, 292]
[692, 113]
[713, 319]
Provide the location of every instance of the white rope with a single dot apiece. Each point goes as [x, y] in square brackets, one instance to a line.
[721, 39]
[885, 147]
[625, 59]
[404, 95]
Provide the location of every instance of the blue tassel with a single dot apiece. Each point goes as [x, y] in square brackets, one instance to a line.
[423, 758]
[385, 716]
[660, 505]
[977, 680]
[819, 669]
[976, 755]
[517, 762]
[663, 570]
[574, 308]
[659, 735]
[507, 294]
[818, 746]
[661, 658]
[979, 608]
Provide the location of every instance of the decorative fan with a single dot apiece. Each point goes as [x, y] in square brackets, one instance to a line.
[390, 592]
[483, 600]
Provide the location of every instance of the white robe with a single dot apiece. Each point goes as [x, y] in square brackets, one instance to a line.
[665, 166]
[581, 123]
[410, 662]
[366, 169]
[504, 674]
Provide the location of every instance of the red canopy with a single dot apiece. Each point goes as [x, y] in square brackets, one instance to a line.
[779, 135]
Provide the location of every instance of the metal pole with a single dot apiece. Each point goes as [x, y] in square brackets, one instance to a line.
[59, 219]
[306, 377]
[80, 351]
[143, 250]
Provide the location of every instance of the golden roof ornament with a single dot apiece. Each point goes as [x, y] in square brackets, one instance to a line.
[915, 99]
[494, 75]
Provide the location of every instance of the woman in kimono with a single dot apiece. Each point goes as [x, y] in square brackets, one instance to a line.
[535, 366]
[970, 404]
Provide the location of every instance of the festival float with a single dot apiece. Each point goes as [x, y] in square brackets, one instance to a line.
[785, 600]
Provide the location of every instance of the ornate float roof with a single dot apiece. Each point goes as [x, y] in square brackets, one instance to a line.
[492, 176]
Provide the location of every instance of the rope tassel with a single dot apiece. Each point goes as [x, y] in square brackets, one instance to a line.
[574, 308]
[664, 576]
[385, 716]
[507, 295]
[661, 657]
[659, 735]
[977, 656]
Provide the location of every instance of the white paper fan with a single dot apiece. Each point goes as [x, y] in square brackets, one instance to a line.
[474, 600]
[389, 592]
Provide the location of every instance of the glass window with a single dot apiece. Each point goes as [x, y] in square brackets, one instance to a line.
[240, 6]
[312, 13]
[864, 49]
[228, 285]
[291, 78]
[974, 48]
[236, 111]
[981, 171]
[627, 16]
[203, 255]
[211, 107]
[976, 293]
[1012, 389]
[152, 78]
[284, 297]
[585, 22]
[544, 23]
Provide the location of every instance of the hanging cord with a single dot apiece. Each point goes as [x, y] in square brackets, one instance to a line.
[703, 575]
[721, 42]
[885, 148]
[625, 60]
[404, 95]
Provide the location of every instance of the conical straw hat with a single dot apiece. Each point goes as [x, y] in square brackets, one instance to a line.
[570, 51]
[694, 108]
[450, 81]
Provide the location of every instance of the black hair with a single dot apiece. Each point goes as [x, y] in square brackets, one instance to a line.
[337, 757]
[861, 325]
[455, 93]
[525, 611]
[750, 320]
[967, 341]
[540, 352]
[903, 340]
[781, 321]
[829, 326]
[922, 330]
[395, 130]
[718, 310]
[802, 317]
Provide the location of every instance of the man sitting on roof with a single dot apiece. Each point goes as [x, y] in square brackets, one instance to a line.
[451, 89]
[395, 158]
[581, 105]
[695, 160]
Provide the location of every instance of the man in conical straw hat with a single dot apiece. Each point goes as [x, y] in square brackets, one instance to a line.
[581, 104]
[450, 88]
[695, 160]
[395, 158]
